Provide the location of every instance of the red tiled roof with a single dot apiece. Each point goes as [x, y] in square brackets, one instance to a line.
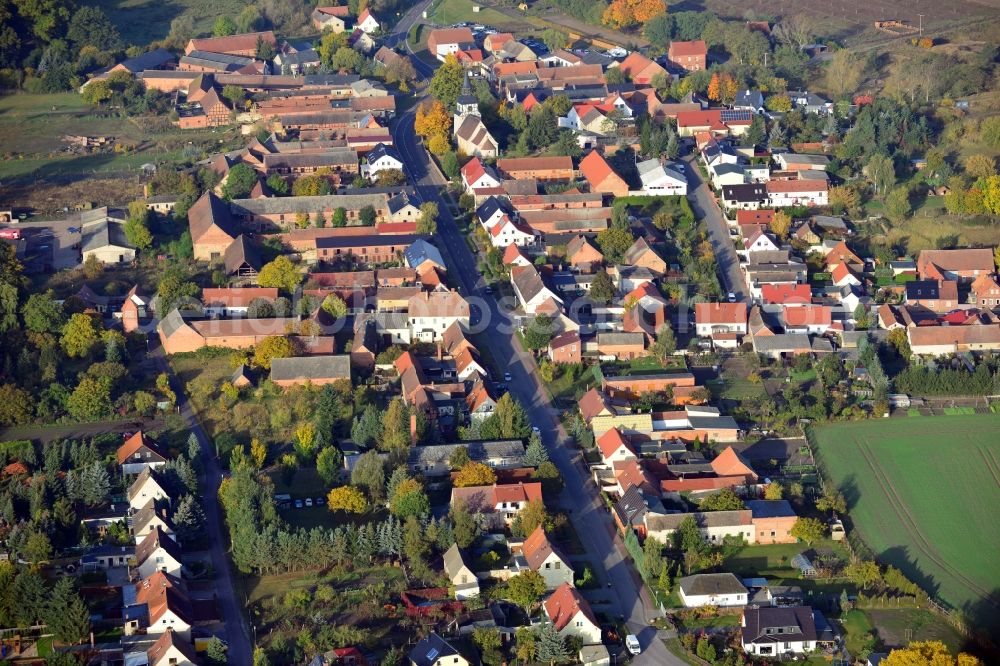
[762, 216]
[785, 294]
[592, 403]
[790, 186]
[595, 168]
[806, 315]
[611, 441]
[694, 48]
[537, 548]
[133, 444]
[720, 313]
[731, 463]
[564, 604]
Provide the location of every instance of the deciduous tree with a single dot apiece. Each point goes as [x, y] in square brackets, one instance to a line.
[270, 348]
[723, 500]
[346, 498]
[474, 474]
[525, 589]
[808, 530]
[280, 273]
[79, 336]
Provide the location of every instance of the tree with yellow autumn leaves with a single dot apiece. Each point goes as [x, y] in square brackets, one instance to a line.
[627, 13]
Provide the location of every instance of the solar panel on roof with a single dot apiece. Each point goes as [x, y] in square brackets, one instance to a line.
[729, 115]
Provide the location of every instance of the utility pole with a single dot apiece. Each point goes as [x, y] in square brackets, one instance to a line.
[921, 28]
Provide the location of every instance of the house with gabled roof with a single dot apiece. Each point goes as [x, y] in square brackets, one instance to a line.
[583, 255]
[513, 255]
[157, 604]
[212, 227]
[601, 177]
[641, 254]
[690, 56]
[139, 452]
[316, 370]
[964, 265]
[149, 485]
[614, 447]
[508, 232]
[447, 41]
[499, 503]
[571, 615]
[367, 22]
[461, 575]
[660, 179]
[436, 651]
[986, 291]
[545, 558]
[714, 589]
[772, 631]
[158, 551]
[715, 319]
[640, 70]
[474, 138]
[478, 176]
[566, 348]
[170, 649]
[335, 19]
[733, 122]
[431, 313]
[244, 44]
[155, 514]
[532, 293]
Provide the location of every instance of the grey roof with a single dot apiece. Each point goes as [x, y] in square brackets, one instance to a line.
[421, 251]
[103, 234]
[368, 240]
[401, 201]
[381, 150]
[223, 61]
[671, 521]
[390, 321]
[148, 60]
[478, 451]
[334, 80]
[428, 651]
[805, 158]
[312, 367]
[453, 561]
[717, 583]
[489, 208]
[327, 158]
[727, 167]
[713, 423]
[171, 323]
[306, 57]
[782, 342]
[752, 98]
[770, 508]
[769, 624]
[292, 205]
[612, 338]
[631, 507]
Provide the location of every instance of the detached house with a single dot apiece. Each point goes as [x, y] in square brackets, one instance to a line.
[720, 589]
[334, 19]
[212, 227]
[689, 56]
[772, 631]
[544, 558]
[462, 577]
[714, 121]
[157, 604]
[383, 158]
[642, 255]
[171, 650]
[804, 192]
[155, 515]
[566, 348]
[986, 290]
[139, 452]
[963, 265]
[478, 176]
[716, 319]
[640, 70]
[571, 615]
[532, 293]
[449, 41]
[435, 651]
[367, 22]
[499, 504]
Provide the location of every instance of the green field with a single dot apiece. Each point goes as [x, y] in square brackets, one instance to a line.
[922, 493]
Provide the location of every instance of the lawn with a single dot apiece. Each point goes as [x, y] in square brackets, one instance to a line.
[774, 560]
[448, 12]
[898, 626]
[916, 491]
[857, 628]
[735, 389]
[143, 21]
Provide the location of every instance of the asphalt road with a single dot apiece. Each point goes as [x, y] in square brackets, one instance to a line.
[492, 329]
[704, 205]
[232, 610]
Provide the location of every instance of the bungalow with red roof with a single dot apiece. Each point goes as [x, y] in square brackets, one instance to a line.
[571, 615]
[601, 177]
[732, 122]
[802, 192]
[784, 296]
[689, 56]
[815, 319]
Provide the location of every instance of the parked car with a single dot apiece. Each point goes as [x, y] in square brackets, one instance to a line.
[320, 501]
[731, 297]
[506, 377]
[309, 501]
[632, 643]
[298, 504]
[536, 429]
